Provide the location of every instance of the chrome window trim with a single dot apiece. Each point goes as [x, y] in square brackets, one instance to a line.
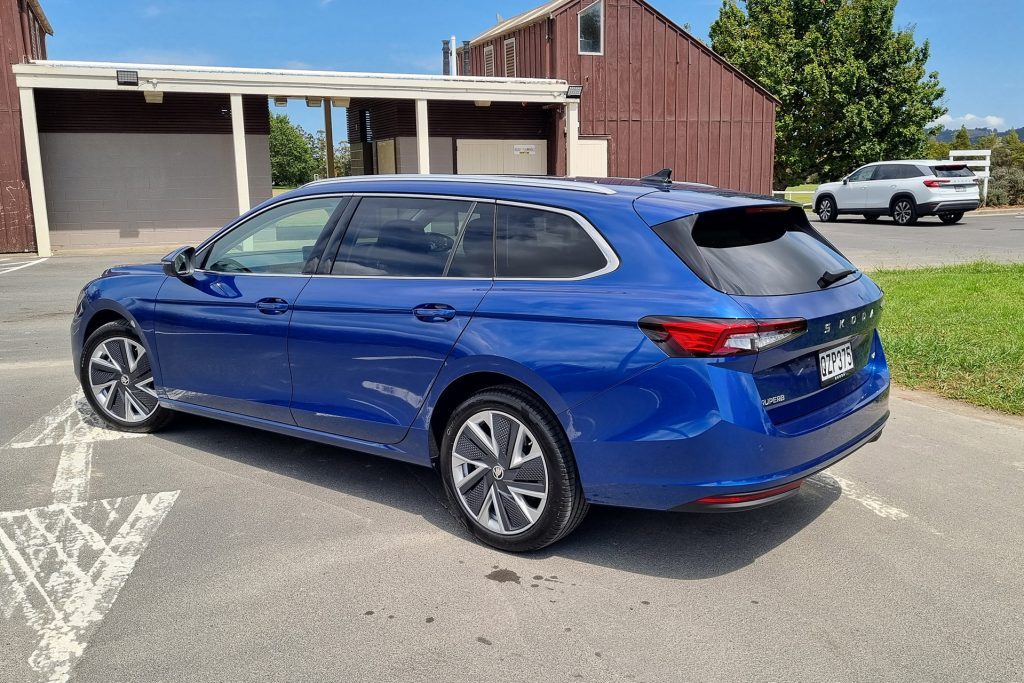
[612, 261]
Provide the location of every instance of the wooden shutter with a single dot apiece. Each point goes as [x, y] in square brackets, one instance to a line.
[488, 60]
[510, 58]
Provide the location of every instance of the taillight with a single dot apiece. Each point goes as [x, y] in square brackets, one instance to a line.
[707, 337]
[935, 183]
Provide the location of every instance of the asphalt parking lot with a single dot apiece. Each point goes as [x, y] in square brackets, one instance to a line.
[211, 552]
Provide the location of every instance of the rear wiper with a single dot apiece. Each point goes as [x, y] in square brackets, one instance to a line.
[828, 279]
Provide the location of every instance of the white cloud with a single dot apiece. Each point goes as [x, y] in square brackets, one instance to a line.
[971, 121]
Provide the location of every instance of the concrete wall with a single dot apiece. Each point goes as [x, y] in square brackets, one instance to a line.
[124, 189]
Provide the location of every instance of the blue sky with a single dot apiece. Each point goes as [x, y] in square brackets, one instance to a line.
[976, 44]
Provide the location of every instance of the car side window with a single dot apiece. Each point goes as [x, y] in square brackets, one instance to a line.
[279, 240]
[416, 237]
[862, 174]
[535, 243]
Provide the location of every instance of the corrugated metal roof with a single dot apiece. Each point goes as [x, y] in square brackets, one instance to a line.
[519, 20]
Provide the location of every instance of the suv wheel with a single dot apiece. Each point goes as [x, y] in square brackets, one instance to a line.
[904, 212]
[117, 379]
[951, 217]
[827, 210]
[509, 471]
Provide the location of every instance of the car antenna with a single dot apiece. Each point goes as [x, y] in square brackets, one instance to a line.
[662, 178]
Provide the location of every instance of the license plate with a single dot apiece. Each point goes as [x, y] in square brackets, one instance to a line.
[835, 364]
[961, 188]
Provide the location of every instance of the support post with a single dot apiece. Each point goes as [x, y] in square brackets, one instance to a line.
[241, 163]
[422, 138]
[572, 138]
[329, 137]
[34, 161]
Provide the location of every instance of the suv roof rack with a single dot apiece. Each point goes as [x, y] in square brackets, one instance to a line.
[521, 181]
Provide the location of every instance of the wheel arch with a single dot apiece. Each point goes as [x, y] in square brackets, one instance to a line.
[823, 195]
[902, 195]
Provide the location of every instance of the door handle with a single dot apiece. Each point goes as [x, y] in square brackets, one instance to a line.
[272, 306]
[434, 313]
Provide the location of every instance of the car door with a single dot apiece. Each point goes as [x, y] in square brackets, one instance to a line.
[853, 193]
[370, 332]
[887, 181]
[222, 334]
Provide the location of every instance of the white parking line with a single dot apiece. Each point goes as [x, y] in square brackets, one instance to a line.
[63, 565]
[11, 267]
[855, 492]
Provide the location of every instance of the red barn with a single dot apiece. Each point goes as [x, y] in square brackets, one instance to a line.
[653, 95]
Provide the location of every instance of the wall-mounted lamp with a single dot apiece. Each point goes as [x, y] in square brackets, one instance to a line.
[154, 96]
[127, 77]
[280, 101]
[482, 103]
[314, 101]
[574, 92]
[342, 102]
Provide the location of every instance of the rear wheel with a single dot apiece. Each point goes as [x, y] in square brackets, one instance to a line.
[117, 379]
[904, 211]
[509, 471]
[827, 210]
[951, 217]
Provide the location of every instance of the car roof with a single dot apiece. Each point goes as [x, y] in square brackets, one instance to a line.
[571, 191]
[917, 162]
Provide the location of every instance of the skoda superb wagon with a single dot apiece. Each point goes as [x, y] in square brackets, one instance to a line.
[543, 344]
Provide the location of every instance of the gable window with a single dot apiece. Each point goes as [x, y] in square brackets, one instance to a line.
[510, 58]
[488, 60]
[592, 29]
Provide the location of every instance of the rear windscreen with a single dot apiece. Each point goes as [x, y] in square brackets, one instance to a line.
[952, 171]
[755, 251]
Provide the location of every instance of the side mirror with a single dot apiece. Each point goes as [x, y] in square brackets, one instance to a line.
[180, 263]
[846, 181]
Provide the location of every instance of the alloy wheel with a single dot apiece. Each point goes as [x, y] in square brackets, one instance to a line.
[121, 379]
[902, 212]
[499, 472]
[825, 209]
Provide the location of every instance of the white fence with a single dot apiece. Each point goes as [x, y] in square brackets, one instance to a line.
[979, 161]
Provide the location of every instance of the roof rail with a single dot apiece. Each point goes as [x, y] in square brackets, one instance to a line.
[519, 181]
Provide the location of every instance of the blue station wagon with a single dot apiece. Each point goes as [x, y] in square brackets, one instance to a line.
[544, 344]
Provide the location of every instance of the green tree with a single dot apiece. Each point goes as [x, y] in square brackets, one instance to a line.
[342, 155]
[936, 150]
[962, 139]
[291, 159]
[852, 89]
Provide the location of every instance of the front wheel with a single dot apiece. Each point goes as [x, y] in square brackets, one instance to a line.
[827, 211]
[951, 217]
[117, 379]
[904, 212]
[509, 471]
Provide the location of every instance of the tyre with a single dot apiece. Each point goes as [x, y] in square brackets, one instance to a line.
[509, 471]
[904, 211]
[827, 210]
[871, 217]
[117, 380]
[951, 217]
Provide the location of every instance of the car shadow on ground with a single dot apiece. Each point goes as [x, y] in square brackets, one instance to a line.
[663, 544]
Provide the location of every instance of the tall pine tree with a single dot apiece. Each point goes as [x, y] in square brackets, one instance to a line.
[853, 88]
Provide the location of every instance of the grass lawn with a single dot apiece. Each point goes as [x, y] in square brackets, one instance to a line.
[957, 331]
[802, 198]
[281, 189]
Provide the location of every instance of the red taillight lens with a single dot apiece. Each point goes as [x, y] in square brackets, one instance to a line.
[748, 497]
[707, 337]
[935, 183]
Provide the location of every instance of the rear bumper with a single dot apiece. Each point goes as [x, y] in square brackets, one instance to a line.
[686, 430]
[948, 206]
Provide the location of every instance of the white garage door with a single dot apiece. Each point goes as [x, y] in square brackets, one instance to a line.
[522, 157]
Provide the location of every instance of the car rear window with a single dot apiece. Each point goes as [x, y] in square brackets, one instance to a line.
[952, 171]
[753, 251]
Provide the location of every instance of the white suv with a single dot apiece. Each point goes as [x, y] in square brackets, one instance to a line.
[904, 190]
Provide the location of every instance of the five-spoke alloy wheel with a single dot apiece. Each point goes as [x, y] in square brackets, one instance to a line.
[827, 211]
[118, 379]
[904, 212]
[509, 471]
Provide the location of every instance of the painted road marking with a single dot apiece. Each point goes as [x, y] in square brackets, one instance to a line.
[855, 492]
[11, 267]
[63, 565]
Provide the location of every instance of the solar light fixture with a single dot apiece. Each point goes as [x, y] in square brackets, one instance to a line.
[154, 96]
[280, 101]
[574, 92]
[341, 102]
[127, 77]
[314, 101]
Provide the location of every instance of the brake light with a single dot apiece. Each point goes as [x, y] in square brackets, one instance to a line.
[748, 497]
[936, 183]
[712, 337]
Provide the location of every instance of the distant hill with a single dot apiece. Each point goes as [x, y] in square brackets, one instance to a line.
[947, 135]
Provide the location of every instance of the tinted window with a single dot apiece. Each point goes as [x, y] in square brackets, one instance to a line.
[545, 244]
[753, 252]
[952, 171]
[279, 240]
[590, 29]
[862, 174]
[411, 237]
[896, 172]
